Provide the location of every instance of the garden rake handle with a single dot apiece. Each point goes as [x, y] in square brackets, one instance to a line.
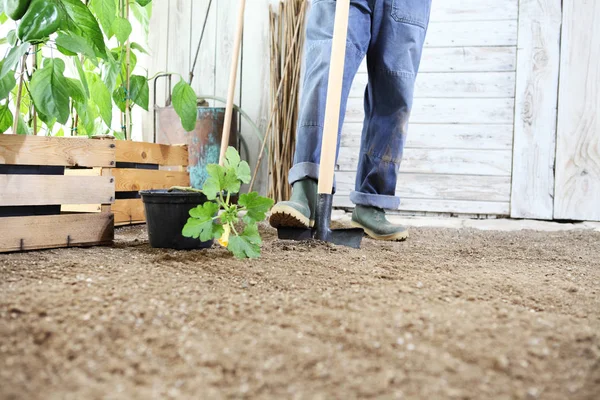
[232, 80]
[334, 97]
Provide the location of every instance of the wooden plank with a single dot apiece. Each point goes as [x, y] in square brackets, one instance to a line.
[448, 111]
[440, 187]
[577, 193]
[466, 59]
[43, 150]
[226, 26]
[443, 136]
[33, 190]
[472, 33]
[442, 206]
[535, 109]
[133, 180]
[54, 231]
[457, 85]
[474, 10]
[442, 161]
[83, 208]
[128, 212]
[179, 39]
[151, 153]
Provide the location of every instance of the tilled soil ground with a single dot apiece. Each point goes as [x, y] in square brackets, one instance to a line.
[448, 314]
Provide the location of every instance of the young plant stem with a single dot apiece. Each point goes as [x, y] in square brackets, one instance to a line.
[19, 94]
[35, 55]
[128, 73]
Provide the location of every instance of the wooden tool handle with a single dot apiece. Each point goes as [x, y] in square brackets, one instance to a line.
[232, 81]
[334, 97]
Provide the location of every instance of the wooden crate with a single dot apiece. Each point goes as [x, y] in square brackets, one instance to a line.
[143, 166]
[36, 179]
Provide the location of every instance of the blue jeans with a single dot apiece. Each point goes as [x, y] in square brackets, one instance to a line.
[390, 33]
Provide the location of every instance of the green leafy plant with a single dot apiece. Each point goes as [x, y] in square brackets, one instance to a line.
[219, 219]
[69, 63]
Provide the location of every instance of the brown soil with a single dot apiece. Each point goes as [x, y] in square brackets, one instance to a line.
[447, 314]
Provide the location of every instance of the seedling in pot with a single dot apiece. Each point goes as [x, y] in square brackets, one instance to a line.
[219, 219]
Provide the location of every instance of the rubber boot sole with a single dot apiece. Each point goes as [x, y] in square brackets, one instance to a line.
[283, 216]
[395, 237]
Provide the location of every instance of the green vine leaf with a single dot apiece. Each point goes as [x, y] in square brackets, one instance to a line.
[143, 3]
[50, 90]
[201, 224]
[7, 84]
[74, 45]
[82, 77]
[75, 90]
[185, 105]
[101, 96]
[82, 21]
[13, 57]
[139, 91]
[106, 11]
[6, 118]
[246, 245]
[256, 207]
[120, 97]
[242, 169]
[122, 29]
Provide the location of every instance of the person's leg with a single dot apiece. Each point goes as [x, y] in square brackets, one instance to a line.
[399, 28]
[299, 211]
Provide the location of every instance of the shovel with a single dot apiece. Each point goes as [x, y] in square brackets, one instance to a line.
[322, 229]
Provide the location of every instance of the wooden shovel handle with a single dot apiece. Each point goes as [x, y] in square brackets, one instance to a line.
[232, 81]
[334, 97]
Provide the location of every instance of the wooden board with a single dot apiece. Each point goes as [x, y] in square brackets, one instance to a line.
[474, 10]
[151, 153]
[448, 111]
[205, 72]
[127, 212]
[535, 109]
[45, 232]
[133, 180]
[441, 206]
[442, 161]
[42, 150]
[434, 186]
[443, 136]
[466, 59]
[33, 190]
[577, 194]
[471, 33]
[457, 85]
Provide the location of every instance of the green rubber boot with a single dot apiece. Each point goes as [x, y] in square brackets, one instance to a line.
[373, 221]
[299, 211]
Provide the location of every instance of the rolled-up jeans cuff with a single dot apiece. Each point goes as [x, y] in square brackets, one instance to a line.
[305, 170]
[375, 200]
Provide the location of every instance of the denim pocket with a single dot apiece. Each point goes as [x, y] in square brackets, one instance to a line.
[414, 12]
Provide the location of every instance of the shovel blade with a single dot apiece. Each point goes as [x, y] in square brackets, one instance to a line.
[341, 237]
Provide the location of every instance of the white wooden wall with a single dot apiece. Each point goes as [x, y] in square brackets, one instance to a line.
[483, 133]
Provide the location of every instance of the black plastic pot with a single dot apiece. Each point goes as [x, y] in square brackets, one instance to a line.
[166, 215]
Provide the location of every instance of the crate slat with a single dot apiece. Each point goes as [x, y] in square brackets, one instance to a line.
[127, 212]
[34, 190]
[151, 153]
[54, 231]
[133, 180]
[42, 150]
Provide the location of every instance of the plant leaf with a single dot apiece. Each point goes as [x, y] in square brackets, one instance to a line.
[83, 22]
[201, 225]
[11, 37]
[214, 183]
[82, 77]
[75, 90]
[256, 207]
[242, 169]
[247, 245]
[6, 118]
[138, 47]
[122, 29]
[101, 97]
[75, 44]
[13, 57]
[7, 84]
[22, 128]
[143, 3]
[185, 104]
[50, 90]
[139, 91]
[106, 11]
[120, 97]
[110, 72]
